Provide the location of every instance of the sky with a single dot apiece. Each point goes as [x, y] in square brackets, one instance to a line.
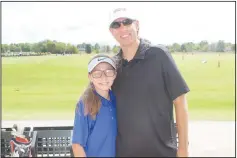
[78, 22]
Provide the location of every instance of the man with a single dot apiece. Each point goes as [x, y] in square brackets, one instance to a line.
[147, 86]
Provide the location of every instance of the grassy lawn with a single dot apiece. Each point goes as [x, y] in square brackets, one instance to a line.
[48, 87]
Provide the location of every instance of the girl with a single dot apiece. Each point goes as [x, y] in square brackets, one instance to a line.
[95, 128]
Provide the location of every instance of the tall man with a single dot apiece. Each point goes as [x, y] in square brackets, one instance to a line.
[147, 86]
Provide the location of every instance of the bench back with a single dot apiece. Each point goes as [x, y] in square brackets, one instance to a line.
[52, 142]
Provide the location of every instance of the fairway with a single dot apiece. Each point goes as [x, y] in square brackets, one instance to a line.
[48, 87]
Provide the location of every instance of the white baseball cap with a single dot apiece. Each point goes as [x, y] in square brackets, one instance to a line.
[94, 62]
[121, 13]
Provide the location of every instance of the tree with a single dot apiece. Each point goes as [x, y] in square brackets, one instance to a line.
[176, 47]
[220, 47]
[171, 48]
[203, 46]
[25, 47]
[4, 48]
[228, 47]
[189, 46]
[83, 45]
[108, 49]
[183, 48]
[115, 49]
[15, 47]
[18, 49]
[212, 47]
[51, 47]
[88, 48]
[40, 46]
[60, 47]
[36, 47]
[196, 47]
[233, 47]
[97, 48]
[69, 49]
[75, 50]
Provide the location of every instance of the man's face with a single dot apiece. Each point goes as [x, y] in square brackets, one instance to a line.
[125, 35]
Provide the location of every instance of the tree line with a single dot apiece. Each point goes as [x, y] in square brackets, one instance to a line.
[202, 46]
[55, 47]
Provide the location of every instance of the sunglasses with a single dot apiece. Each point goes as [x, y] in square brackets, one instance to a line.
[98, 73]
[117, 24]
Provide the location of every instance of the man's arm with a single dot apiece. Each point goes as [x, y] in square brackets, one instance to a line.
[181, 111]
[177, 88]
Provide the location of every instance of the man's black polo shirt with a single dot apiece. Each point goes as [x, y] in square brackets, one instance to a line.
[145, 88]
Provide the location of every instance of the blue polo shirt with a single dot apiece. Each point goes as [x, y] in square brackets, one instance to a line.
[98, 136]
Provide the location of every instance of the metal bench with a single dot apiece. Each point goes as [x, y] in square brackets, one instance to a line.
[5, 146]
[52, 142]
[46, 141]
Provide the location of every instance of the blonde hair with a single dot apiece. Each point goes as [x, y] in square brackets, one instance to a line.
[89, 97]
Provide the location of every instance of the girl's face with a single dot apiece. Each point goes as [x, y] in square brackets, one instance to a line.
[102, 76]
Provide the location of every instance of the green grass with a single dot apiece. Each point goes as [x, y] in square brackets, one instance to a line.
[48, 87]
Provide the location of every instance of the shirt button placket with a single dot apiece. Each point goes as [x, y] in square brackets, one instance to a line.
[110, 109]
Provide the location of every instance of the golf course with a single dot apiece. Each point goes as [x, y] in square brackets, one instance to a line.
[48, 87]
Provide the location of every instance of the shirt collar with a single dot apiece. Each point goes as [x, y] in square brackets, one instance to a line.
[104, 100]
[144, 45]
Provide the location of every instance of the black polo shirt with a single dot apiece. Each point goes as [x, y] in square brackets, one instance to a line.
[145, 88]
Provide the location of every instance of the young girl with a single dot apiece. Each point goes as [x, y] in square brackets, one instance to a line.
[95, 127]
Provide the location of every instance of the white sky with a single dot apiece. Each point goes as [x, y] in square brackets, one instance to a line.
[77, 22]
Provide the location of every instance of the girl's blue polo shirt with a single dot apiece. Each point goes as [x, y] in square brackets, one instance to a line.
[96, 136]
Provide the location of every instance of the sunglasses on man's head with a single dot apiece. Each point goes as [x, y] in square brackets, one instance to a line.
[117, 24]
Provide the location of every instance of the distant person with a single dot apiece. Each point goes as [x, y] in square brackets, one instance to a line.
[95, 128]
[147, 86]
[20, 54]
